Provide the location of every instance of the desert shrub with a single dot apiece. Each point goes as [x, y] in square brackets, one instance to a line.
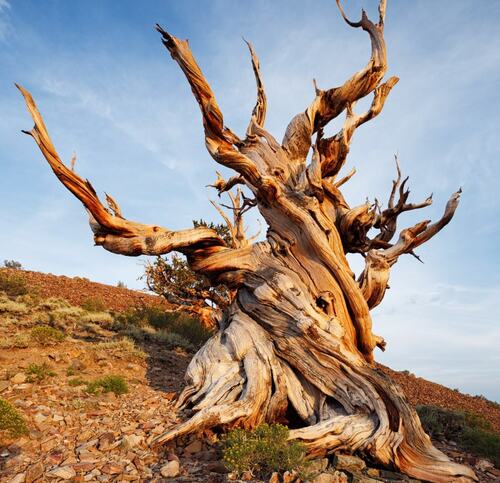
[31, 299]
[45, 335]
[262, 451]
[172, 340]
[66, 314]
[121, 284]
[18, 341]
[97, 318]
[54, 303]
[121, 348]
[12, 307]
[14, 264]
[39, 372]
[139, 333]
[191, 329]
[470, 431]
[13, 284]
[110, 383]
[77, 381]
[11, 422]
[143, 316]
[181, 327]
[94, 304]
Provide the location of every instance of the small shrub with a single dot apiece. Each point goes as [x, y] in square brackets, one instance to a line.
[97, 318]
[139, 334]
[11, 421]
[14, 264]
[13, 284]
[172, 340]
[115, 384]
[140, 317]
[45, 335]
[66, 315]
[77, 381]
[19, 341]
[262, 451]
[121, 348]
[191, 330]
[12, 307]
[470, 431]
[39, 372]
[94, 304]
[121, 284]
[54, 303]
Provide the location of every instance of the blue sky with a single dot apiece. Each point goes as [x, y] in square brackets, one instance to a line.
[110, 92]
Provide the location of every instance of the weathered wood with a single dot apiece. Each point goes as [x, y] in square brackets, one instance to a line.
[297, 338]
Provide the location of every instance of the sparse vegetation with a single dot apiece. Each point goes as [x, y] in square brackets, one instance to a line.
[121, 284]
[111, 383]
[8, 306]
[188, 331]
[12, 284]
[53, 303]
[18, 341]
[77, 381]
[45, 335]
[262, 451]
[11, 422]
[103, 318]
[94, 304]
[120, 348]
[39, 372]
[470, 431]
[172, 340]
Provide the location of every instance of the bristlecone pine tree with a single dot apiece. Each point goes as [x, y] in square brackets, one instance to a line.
[297, 342]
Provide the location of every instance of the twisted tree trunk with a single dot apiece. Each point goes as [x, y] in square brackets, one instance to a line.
[297, 339]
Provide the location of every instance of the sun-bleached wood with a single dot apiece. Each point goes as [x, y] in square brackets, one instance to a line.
[297, 340]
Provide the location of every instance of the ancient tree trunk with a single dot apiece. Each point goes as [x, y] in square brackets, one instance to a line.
[297, 340]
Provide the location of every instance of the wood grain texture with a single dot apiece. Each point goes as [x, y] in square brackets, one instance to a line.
[297, 338]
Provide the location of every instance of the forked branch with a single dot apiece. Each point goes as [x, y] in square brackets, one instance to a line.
[220, 140]
[375, 277]
[328, 104]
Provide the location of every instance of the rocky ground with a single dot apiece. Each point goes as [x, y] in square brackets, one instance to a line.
[78, 436]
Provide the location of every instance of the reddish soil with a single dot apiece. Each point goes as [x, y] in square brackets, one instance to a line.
[78, 290]
[420, 391]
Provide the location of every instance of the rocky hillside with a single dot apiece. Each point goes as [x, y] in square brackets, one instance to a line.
[77, 291]
[92, 387]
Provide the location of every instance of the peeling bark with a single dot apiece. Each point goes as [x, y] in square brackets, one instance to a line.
[297, 338]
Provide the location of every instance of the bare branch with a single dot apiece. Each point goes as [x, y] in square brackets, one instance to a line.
[221, 185]
[113, 232]
[386, 221]
[373, 281]
[219, 139]
[259, 111]
[334, 150]
[329, 104]
[113, 206]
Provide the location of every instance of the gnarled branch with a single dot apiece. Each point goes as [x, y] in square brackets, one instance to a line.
[374, 278]
[330, 103]
[219, 140]
[386, 221]
[259, 111]
[111, 230]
